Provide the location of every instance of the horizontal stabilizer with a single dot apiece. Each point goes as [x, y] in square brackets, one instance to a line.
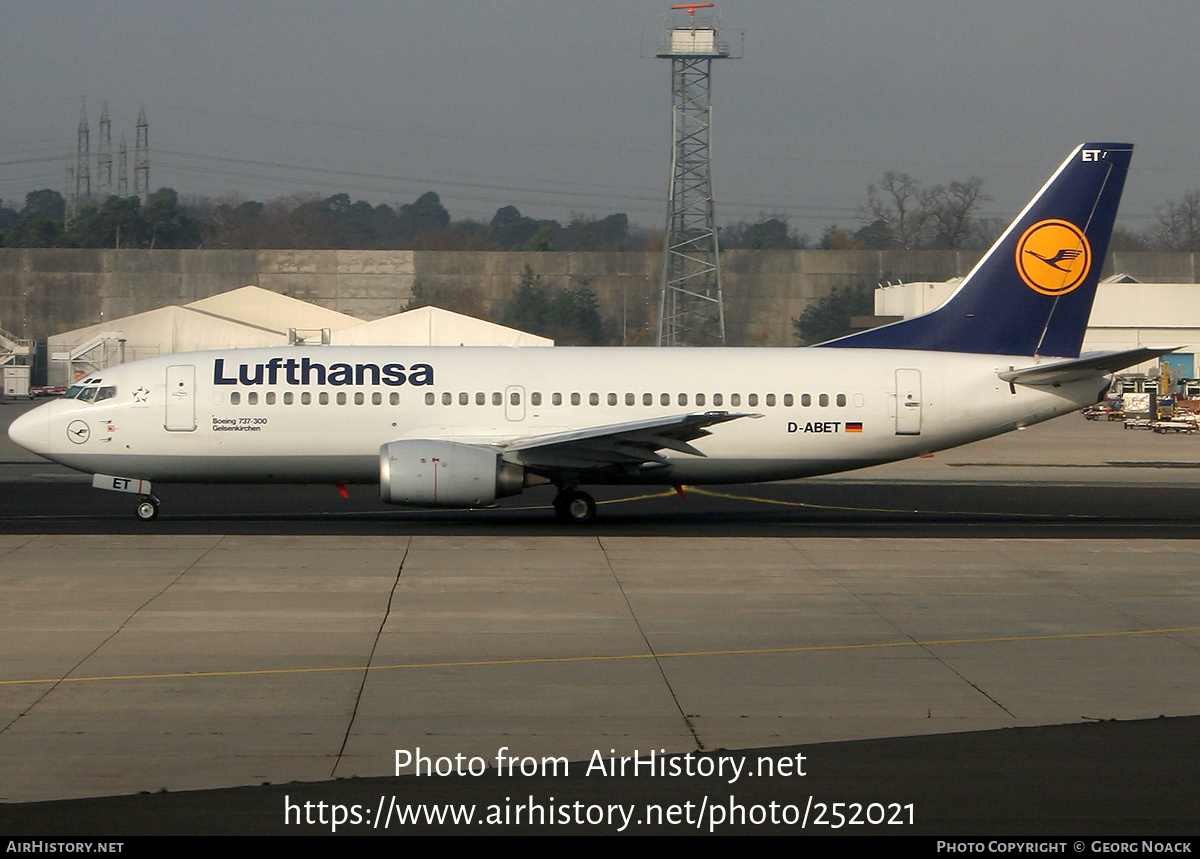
[1088, 366]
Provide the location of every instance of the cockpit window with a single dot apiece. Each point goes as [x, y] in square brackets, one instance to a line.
[88, 391]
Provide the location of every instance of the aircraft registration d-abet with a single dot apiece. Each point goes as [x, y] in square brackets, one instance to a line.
[462, 427]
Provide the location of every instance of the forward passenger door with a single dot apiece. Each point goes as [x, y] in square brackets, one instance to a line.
[181, 398]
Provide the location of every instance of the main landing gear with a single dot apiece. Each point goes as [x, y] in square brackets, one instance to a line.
[574, 507]
[147, 509]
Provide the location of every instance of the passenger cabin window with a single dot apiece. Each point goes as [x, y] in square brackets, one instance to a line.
[841, 399]
[270, 398]
[823, 400]
[788, 400]
[235, 398]
[535, 399]
[306, 399]
[574, 399]
[752, 399]
[717, 400]
[700, 399]
[556, 399]
[594, 399]
[735, 399]
[497, 398]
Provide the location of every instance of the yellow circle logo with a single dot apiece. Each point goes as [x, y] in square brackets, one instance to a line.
[1053, 257]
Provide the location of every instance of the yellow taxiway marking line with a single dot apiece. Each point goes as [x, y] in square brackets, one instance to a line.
[548, 660]
[784, 503]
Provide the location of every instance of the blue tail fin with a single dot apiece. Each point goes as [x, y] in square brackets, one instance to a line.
[1031, 294]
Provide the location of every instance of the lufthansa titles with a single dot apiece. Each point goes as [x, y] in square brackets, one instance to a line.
[304, 371]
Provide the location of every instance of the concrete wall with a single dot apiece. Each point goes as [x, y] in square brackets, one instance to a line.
[46, 291]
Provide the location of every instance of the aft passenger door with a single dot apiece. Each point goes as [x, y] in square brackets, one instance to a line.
[908, 402]
[181, 398]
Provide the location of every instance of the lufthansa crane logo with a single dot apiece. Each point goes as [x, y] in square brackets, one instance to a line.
[78, 432]
[1053, 257]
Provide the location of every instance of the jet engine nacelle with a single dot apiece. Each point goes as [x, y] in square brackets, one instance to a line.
[431, 473]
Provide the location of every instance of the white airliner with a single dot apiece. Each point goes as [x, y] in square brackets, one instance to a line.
[461, 427]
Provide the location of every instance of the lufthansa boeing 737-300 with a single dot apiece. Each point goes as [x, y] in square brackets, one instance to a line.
[461, 427]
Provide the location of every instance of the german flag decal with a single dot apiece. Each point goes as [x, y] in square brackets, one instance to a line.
[853, 426]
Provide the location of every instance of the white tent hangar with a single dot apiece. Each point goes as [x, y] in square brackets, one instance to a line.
[239, 319]
[75, 354]
[251, 317]
[253, 305]
[433, 326]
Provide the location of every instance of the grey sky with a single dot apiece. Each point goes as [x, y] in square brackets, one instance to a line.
[549, 106]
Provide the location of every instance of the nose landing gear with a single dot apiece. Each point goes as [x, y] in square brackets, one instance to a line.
[147, 509]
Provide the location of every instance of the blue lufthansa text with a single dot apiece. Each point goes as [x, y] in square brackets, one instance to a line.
[303, 371]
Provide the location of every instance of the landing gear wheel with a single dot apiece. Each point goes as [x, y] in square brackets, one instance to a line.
[575, 507]
[147, 509]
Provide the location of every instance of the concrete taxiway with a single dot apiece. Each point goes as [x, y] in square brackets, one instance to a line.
[160, 659]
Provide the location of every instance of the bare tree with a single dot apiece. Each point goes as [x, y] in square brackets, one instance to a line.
[912, 217]
[1178, 227]
[951, 212]
[896, 202]
[1125, 239]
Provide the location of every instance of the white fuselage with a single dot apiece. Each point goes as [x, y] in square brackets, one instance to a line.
[270, 415]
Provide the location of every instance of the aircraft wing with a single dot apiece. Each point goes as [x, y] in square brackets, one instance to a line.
[625, 444]
[1095, 364]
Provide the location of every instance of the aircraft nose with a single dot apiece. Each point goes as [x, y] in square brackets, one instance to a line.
[32, 431]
